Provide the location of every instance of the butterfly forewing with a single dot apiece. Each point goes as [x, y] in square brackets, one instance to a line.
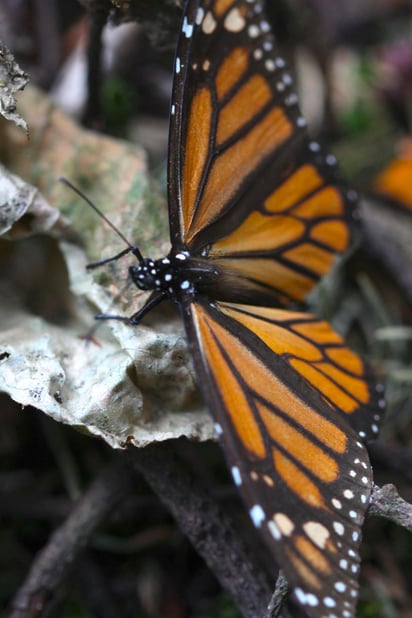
[247, 187]
[303, 472]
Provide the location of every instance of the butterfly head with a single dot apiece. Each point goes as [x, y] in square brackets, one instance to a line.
[167, 275]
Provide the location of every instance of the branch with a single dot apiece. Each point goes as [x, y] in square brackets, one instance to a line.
[208, 528]
[54, 562]
[386, 502]
[277, 601]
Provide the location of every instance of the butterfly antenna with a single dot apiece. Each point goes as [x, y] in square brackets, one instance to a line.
[132, 248]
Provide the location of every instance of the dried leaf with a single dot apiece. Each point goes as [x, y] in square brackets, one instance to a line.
[12, 79]
[128, 384]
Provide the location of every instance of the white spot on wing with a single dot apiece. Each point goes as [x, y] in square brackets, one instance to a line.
[234, 21]
[218, 429]
[257, 514]
[209, 23]
[253, 31]
[329, 602]
[199, 16]
[270, 65]
[236, 476]
[339, 528]
[274, 530]
[284, 523]
[187, 28]
[317, 533]
[306, 598]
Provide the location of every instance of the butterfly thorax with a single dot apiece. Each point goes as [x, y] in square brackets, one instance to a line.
[174, 274]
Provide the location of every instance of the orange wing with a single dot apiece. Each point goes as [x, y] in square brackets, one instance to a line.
[320, 356]
[247, 188]
[283, 390]
[394, 182]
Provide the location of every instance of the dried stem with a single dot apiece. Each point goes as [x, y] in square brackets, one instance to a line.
[54, 562]
[208, 528]
[386, 502]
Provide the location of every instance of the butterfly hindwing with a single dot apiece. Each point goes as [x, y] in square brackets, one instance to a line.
[320, 356]
[247, 187]
[302, 470]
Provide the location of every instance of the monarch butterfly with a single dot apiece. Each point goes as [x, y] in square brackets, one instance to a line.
[257, 214]
[394, 182]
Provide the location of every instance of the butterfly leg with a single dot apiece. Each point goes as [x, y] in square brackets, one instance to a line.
[136, 317]
[152, 302]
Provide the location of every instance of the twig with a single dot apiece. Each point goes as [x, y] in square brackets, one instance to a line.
[54, 562]
[276, 602]
[206, 526]
[386, 502]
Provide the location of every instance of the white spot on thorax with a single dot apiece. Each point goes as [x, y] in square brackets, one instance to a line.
[178, 67]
